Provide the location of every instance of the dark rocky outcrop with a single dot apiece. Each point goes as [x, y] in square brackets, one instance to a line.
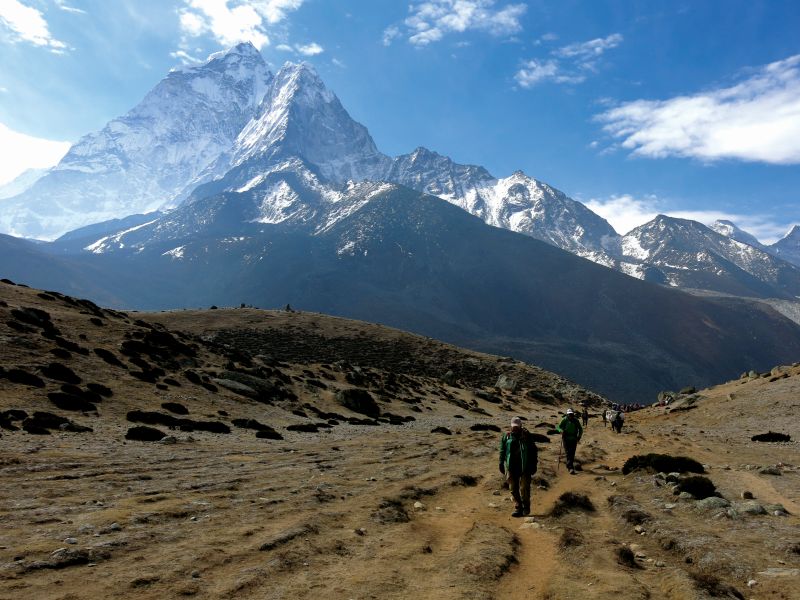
[771, 436]
[175, 407]
[142, 433]
[23, 377]
[60, 372]
[662, 463]
[358, 400]
[73, 402]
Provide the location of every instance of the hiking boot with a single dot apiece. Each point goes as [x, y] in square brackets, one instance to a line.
[526, 511]
[572, 471]
[517, 512]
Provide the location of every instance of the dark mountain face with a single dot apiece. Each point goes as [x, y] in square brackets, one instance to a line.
[419, 263]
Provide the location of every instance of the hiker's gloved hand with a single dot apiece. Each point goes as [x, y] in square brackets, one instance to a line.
[502, 468]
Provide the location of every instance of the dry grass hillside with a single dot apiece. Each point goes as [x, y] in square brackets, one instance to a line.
[302, 455]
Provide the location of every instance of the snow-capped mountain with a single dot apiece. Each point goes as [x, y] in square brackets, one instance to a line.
[519, 203]
[301, 120]
[21, 182]
[687, 254]
[729, 229]
[145, 159]
[788, 248]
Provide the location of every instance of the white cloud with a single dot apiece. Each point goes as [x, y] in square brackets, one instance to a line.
[234, 21]
[431, 20]
[27, 152]
[338, 63]
[626, 212]
[568, 64]
[284, 48]
[28, 24]
[756, 120]
[67, 8]
[389, 34]
[311, 49]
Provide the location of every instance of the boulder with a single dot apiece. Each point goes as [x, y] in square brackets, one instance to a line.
[358, 400]
[504, 382]
[750, 507]
[712, 502]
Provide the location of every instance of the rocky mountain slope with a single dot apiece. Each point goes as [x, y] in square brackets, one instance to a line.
[390, 255]
[266, 483]
[788, 248]
[687, 254]
[144, 159]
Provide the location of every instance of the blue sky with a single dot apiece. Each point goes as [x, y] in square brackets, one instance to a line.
[634, 108]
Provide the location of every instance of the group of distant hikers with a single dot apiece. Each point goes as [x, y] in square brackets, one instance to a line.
[519, 456]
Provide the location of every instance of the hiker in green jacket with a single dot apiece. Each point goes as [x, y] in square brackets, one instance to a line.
[518, 459]
[571, 433]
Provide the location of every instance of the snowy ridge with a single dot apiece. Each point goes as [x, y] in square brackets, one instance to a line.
[144, 160]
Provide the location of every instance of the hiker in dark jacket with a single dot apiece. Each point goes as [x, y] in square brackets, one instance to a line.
[518, 459]
[585, 416]
[571, 433]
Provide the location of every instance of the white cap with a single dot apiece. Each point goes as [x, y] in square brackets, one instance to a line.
[570, 411]
[516, 421]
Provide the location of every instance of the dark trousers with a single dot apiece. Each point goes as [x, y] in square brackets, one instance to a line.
[570, 445]
[520, 486]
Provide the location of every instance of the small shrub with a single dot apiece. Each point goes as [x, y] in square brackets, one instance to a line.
[635, 516]
[771, 436]
[570, 501]
[570, 538]
[626, 558]
[662, 463]
[698, 486]
[713, 586]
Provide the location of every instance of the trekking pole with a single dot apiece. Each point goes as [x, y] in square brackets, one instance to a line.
[560, 450]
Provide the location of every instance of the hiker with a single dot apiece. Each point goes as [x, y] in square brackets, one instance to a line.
[605, 421]
[518, 459]
[619, 419]
[585, 416]
[571, 433]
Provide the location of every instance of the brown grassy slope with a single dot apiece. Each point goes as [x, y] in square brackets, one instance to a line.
[333, 512]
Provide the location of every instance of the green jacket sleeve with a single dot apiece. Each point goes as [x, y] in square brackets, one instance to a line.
[503, 448]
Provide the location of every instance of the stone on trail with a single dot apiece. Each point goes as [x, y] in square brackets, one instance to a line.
[711, 503]
[770, 471]
[750, 507]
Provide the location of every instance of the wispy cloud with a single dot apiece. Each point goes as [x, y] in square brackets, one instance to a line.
[27, 24]
[62, 4]
[626, 212]
[29, 153]
[311, 49]
[431, 20]
[567, 64]
[232, 21]
[185, 57]
[756, 120]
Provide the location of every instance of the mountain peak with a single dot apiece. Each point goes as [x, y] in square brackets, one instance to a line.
[731, 230]
[300, 81]
[794, 233]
